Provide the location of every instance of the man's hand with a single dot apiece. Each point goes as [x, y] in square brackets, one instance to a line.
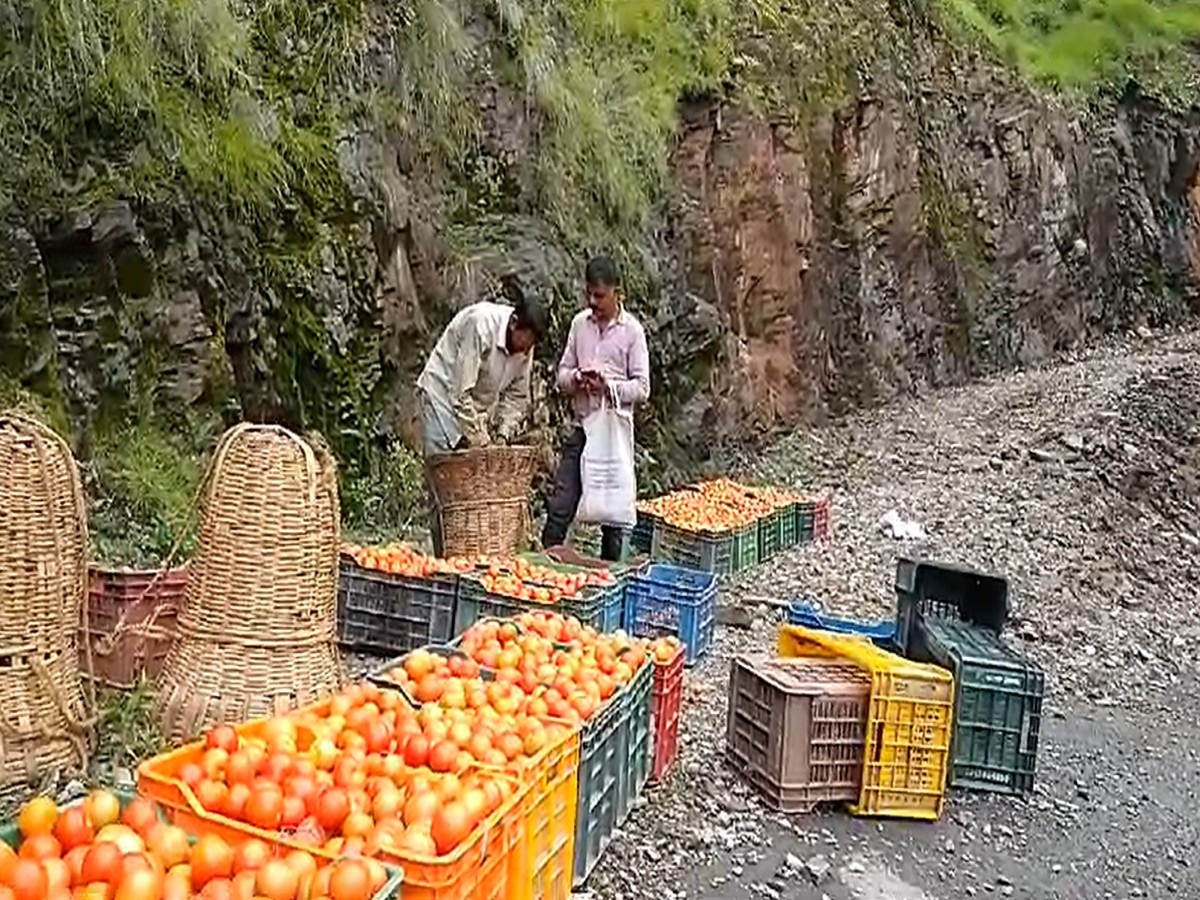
[591, 382]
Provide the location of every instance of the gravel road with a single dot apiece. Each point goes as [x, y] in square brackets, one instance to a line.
[1079, 483]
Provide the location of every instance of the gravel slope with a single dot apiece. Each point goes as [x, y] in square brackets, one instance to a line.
[1078, 482]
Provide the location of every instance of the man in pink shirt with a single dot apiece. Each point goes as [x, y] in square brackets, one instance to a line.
[606, 353]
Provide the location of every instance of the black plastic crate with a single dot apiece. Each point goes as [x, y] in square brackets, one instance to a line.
[386, 613]
[997, 705]
[928, 588]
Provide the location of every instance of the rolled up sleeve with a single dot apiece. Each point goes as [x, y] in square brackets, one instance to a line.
[569, 364]
[635, 388]
[514, 402]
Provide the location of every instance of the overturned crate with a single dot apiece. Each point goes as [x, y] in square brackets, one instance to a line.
[797, 727]
[997, 708]
[906, 757]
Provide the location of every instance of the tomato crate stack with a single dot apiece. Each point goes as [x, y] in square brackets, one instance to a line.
[725, 527]
[394, 599]
[671, 600]
[508, 586]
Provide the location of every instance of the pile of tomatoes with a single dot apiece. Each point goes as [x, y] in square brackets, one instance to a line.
[717, 506]
[508, 576]
[95, 851]
[357, 777]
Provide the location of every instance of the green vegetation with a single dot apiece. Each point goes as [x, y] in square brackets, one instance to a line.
[1082, 45]
[236, 113]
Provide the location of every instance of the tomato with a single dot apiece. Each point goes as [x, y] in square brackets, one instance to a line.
[73, 828]
[103, 862]
[40, 846]
[223, 737]
[28, 880]
[144, 884]
[250, 855]
[451, 826]
[140, 815]
[264, 809]
[38, 816]
[350, 880]
[58, 875]
[332, 807]
[278, 881]
[212, 859]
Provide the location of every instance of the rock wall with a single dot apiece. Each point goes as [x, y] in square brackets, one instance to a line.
[928, 232]
[921, 237]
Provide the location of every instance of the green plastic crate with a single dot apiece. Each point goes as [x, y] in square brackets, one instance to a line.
[997, 704]
[774, 530]
[745, 548]
[635, 733]
[475, 602]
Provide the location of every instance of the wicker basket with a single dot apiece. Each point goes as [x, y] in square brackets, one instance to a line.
[482, 498]
[43, 533]
[257, 630]
[45, 726]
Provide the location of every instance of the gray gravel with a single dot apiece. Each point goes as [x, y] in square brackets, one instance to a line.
[1079, 483]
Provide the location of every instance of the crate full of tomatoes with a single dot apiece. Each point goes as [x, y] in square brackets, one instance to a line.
[503, 586]
[395, 598]
[703, 532]
[111, 846]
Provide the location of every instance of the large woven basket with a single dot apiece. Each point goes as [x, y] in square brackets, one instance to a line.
[44, 720]
[43, 536]
[482, 498]
[257, 630]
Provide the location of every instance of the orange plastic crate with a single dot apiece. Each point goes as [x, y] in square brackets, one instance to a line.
[543, 869]
[478, 869]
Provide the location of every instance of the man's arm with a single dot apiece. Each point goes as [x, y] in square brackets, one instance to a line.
[567, 377]
[635, 388]
[514, 402]
[472, 423]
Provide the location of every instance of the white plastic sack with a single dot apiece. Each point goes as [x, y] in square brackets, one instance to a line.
[606, 470]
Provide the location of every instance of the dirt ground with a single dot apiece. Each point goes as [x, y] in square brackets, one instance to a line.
[1079, 483]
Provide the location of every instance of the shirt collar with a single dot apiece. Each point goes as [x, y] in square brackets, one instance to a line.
[618, 319]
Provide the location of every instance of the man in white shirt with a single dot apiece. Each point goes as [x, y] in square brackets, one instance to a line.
[474, 389]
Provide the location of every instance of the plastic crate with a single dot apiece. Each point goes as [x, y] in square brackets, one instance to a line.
[997, 705]
[721, 554]
[601, 758]
[796, 729]
[544, 870]
[882, 633]
[475, 602]
[635, 739]
[906, 757]
[388, 613]
[771, 540]
[931, 589]
[666, 707]
[131, 616]
[668, 599]
[478, 869]
[641, 536]
[812, 520]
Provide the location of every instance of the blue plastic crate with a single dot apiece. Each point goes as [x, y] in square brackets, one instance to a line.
[882, 633]
[669, 599]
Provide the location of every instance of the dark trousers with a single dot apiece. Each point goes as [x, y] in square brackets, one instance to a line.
[564, 501]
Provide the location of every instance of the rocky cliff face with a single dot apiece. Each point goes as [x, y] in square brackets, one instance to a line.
[925, 233]
[904, 243]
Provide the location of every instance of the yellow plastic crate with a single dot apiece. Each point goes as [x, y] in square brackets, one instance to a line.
[544, 868]
[909, 724]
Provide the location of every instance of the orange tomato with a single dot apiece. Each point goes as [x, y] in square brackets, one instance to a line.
[38, 816]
